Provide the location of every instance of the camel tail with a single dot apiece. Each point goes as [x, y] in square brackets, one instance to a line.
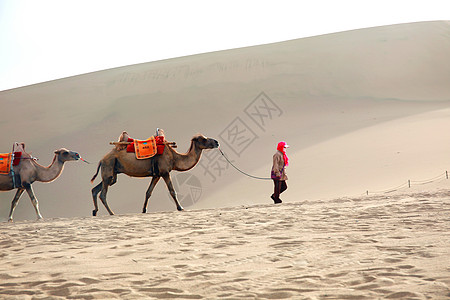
[95, 175]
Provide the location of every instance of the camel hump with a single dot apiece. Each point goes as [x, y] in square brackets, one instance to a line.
[126, 142]
[160, 132]
[123, 137]
[18, 150]
[19, 147]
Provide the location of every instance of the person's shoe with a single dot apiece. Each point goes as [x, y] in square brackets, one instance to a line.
[276, 201]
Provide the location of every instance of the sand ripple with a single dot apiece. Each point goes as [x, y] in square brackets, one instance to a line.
[351, 248]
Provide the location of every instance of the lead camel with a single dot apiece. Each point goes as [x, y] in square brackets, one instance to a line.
[120, 161]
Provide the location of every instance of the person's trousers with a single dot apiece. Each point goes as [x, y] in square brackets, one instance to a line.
[279, 187]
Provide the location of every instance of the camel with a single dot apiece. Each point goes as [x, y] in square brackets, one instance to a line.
[30, 171]
[120, 161]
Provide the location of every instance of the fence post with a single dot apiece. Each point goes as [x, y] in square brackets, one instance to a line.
[446, 174]
[409, 183]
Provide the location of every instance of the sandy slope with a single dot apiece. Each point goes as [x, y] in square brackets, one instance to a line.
[376, 247]
[362, 110]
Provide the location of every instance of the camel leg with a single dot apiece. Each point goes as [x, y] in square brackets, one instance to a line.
[95, 192]
[33, 200]
[103, 196]
[169, 184]
[148, 194]
[14, 203]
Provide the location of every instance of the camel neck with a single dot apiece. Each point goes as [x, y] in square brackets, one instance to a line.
[185, 162]
[50, 173]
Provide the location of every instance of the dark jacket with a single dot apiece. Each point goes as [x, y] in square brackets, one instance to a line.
[278, 167]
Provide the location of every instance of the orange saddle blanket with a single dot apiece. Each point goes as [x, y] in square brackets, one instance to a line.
[5, 163]
[145, 149]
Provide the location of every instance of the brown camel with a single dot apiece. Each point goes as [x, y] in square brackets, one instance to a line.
[30, 171]
[120, 161]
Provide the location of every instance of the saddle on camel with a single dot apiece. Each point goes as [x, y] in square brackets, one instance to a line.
[144, 149]
[10, 160]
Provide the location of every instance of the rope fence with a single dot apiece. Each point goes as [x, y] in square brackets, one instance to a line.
[410, 183]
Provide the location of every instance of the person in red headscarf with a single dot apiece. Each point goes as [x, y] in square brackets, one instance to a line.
[278, 173]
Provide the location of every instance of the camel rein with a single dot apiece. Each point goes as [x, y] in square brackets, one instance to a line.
[246, 174]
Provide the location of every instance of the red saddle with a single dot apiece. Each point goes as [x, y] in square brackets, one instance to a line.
[160, 144]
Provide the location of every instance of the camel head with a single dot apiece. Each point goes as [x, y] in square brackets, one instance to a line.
[203, 142]
[66, 155]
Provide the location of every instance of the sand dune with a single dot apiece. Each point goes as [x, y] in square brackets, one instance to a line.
[379, 247]
[364, 111]
[353, 105]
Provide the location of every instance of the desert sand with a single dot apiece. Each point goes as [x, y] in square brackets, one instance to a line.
[366, 213]
[377, 247]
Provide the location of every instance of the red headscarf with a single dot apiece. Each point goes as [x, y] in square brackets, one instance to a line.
[282, 148]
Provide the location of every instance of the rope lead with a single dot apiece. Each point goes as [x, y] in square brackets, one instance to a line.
[246, 174]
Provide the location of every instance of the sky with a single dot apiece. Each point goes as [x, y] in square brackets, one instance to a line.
[42, 40]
